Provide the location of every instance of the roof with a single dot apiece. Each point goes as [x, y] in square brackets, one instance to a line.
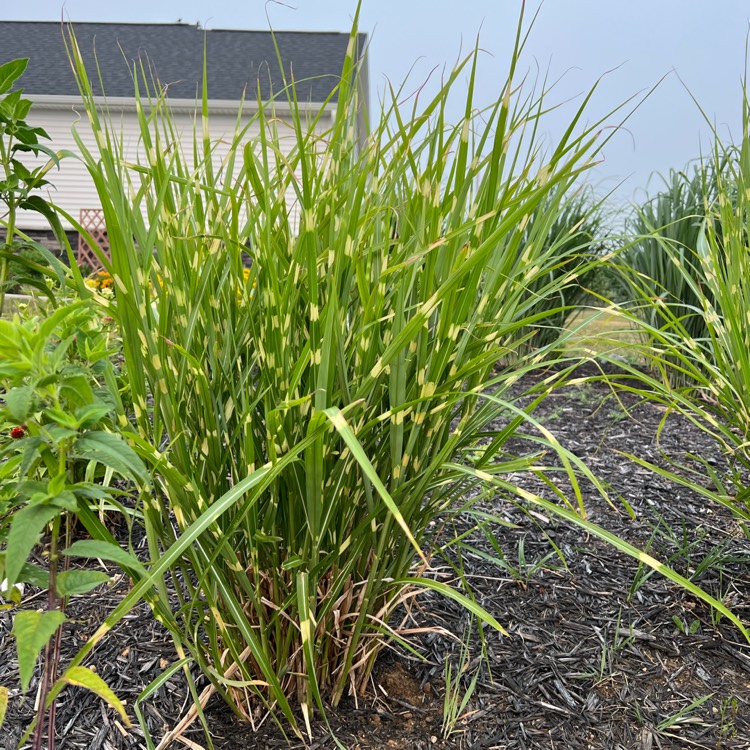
[235, 59]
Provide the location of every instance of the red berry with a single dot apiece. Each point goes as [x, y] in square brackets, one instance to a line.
[17, 433]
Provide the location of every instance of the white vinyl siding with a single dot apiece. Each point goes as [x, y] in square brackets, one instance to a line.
[72, 189]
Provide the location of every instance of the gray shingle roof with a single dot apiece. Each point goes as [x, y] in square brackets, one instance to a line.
[235, 59]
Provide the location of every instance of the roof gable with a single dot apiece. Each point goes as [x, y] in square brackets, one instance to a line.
[236, 60]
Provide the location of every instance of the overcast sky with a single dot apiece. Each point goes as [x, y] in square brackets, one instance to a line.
[698, 44]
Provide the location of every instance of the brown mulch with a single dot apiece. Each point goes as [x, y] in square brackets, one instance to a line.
[599, 652]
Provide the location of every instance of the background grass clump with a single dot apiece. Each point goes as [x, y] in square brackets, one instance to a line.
[575, 235]
[662, 262]
[690, 298]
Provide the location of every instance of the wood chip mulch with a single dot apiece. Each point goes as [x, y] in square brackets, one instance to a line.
[600, 654]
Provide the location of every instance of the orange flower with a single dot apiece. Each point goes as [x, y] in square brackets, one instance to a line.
[100, 280]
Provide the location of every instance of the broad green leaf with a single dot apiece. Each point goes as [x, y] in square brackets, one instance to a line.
[20, 169]
[89, 415]
[77, 392]
[61, 417]
[84, 677]
[26, 490]
[56, 319]
[98, 550]
[32, 630]
[9, 338]
[33, 146]
[14, 595]
[32, 447]
[11, 184]
[65, 500]
[25, 530]
[11, 71]
[90, 490]
[57, 484]
[21, 106]
[58, 433]
[26, 138]
[34, 575]
[3, 703]
[75, 582]
[20, 402]
[111, 450]
[9, 466]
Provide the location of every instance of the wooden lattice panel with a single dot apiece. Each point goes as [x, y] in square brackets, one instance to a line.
[92, 219]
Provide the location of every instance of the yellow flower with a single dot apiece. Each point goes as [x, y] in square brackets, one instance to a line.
[246, 273]
[99, 280]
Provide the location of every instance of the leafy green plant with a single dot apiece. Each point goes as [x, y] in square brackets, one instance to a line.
[31, 260]
[680, 550]
[523, 569]
[308, 421]
[617, 414]
[613, 643]
[685, 627]
[58, 449]
[728, 710]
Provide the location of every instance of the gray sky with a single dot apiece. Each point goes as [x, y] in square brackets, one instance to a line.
[638, 41]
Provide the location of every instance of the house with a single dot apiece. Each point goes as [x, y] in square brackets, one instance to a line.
[237, 61]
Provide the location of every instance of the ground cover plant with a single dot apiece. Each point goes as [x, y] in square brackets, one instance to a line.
[59, 452]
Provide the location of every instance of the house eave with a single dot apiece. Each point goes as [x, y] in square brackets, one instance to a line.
[127, 104]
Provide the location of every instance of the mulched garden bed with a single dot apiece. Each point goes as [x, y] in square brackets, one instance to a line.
[600, 654]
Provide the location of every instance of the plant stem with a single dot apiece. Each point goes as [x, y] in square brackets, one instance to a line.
[50, 650]
[10, 227]
[58, 640]
[3, 280]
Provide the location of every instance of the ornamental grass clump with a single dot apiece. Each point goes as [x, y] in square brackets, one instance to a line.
[662, 262]
[306, 434]
[699, 351]
[574, 234]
